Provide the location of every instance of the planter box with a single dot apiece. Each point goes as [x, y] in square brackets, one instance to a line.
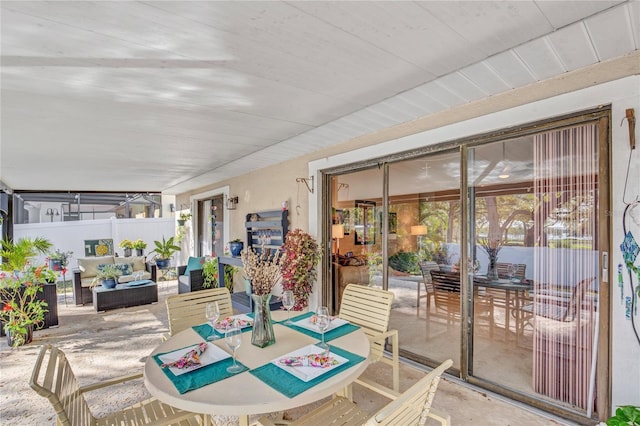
[48, 294]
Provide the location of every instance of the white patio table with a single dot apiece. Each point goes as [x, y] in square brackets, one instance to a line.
[245, 394]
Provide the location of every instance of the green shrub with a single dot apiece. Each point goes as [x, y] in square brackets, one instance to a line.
[405, 262]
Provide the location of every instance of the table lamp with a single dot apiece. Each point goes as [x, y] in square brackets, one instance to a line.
[337, 232]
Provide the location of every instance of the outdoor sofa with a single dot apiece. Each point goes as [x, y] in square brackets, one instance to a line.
[84, 275]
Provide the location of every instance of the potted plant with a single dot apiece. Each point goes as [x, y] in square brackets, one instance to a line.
[108, 275]
[127, 245]
[139, 245]
[164, 251]
[300, 256]
[58, 260]
[210, 274]
[184, 216]
[625, 415]
[16, 254]
[236, 246]
[20, 285]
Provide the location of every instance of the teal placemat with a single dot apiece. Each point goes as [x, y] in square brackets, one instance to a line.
[290, 386]
[328, 336]
[201, 377]
[204, 330]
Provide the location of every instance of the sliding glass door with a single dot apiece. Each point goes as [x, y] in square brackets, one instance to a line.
[493, 248]
[534, 243]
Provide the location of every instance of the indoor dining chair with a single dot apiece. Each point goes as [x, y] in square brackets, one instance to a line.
[59, 385]
[370, 308]
[188, 309]
[410, 408]
[426, 268]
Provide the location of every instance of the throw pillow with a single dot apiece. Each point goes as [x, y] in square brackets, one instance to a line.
[125, 268]
[194, 264]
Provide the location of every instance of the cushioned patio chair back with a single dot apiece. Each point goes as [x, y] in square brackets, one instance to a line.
[188, 309]
[57, 382]
[370, 308]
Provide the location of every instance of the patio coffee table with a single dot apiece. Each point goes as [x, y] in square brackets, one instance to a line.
[125, 295]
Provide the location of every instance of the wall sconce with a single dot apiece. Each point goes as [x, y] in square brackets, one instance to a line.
[337, 233]
[232, 203]
[52, 212]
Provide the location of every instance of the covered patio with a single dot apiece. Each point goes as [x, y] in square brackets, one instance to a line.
[116, 343]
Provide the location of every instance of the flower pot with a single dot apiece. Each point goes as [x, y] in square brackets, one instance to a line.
[262, 334]
[181, 222]
[139, 252]
[109, 283]
[18, 339]
[236, 247]
[127, 252]
[162, 263]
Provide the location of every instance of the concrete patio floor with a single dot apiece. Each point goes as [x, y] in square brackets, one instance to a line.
[105, 345]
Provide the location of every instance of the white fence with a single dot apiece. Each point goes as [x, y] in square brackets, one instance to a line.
[71, 236]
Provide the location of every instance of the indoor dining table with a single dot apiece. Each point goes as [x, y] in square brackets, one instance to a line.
[247, 393]
[515, 293]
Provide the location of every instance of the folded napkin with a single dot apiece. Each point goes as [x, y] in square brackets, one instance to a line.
[314, 318]
[190, 359]
[322, 360]
[222, 324]
[338, 327]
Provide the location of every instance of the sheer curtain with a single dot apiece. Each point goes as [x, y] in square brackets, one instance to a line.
[565, 263]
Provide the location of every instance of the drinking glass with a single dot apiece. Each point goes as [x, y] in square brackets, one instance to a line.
[233, 339]
[212, 312]
[323, 321]
[288, 301]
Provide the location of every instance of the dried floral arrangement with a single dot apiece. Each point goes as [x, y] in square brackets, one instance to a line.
[262, 269]
[491, 247]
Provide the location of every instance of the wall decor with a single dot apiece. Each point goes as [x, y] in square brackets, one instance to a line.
[393, 223]
[364, 219]
[98, 247]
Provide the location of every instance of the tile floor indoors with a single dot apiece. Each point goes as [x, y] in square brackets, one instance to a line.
[100, 346]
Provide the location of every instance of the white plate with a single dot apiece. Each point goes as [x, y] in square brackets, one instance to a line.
[306, 323]
[212, 354]
[246, 321]
[308, 373]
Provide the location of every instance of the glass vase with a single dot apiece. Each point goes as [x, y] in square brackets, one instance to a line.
[262, 334]
[492, 270]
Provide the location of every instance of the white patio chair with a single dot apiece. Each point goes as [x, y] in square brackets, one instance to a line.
[410, 408]
[59, 385]
[188, 309]
[370, 308]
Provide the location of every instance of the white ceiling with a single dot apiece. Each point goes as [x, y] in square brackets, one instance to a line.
[171, 96]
